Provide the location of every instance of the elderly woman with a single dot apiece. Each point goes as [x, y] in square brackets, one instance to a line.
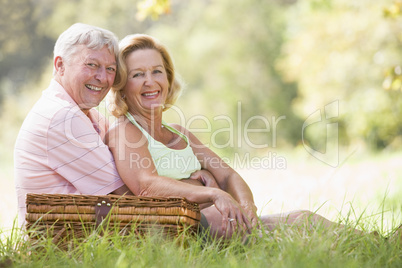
[163, 156]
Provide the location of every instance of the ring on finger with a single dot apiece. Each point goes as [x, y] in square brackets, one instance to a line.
[231, 219]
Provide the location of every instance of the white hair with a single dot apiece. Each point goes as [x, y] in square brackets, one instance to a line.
[83, 34]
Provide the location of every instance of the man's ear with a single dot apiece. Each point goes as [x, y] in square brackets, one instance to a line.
[59, 65]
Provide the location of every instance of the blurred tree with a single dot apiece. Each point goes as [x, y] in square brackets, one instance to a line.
[29, 29]
[393, 75]
[338, 50]
[249, 59]
[235, 46]
[394, 10]
[226, 53]
[22, 46]
[152, 8]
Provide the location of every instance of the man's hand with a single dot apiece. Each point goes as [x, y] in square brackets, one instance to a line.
[205, 177]
[202, 178]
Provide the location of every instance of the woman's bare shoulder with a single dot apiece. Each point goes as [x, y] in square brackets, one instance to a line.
[179, 128]
[122, 128]
[193, 139]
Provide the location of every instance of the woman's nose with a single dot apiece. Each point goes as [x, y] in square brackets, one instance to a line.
[149, 80]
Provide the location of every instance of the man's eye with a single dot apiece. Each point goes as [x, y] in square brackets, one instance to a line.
[91, 64]
[111, 69]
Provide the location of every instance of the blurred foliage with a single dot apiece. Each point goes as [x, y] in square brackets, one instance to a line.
[393, 75]
[394, 10]
[245, 62]
[152, 8]
[22, 46]
[226, 54]
[339, 50]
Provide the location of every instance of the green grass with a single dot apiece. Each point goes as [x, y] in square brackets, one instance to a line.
[284, 247]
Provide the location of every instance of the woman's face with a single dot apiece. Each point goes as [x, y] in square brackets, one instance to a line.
[147, 84]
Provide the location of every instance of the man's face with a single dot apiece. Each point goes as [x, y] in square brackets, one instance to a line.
[88, 75]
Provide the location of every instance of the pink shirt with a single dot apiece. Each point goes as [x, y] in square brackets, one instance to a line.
[60, 150]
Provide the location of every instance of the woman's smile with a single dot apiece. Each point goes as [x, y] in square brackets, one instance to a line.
[147, 84]
[151, 95]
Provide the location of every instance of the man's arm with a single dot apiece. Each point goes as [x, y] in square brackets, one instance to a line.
[122, 191]
[76, 151]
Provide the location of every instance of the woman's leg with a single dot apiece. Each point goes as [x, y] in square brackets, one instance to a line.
[297, 218]
[300, 218]
[214, 219]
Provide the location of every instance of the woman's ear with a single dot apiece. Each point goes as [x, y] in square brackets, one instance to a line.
[59, 65]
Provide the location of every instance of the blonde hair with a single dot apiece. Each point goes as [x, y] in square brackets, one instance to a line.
[129, 44]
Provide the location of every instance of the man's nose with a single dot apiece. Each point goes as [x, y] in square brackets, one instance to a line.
[101, 74]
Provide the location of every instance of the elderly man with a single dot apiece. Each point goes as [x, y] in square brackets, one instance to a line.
[60, 146]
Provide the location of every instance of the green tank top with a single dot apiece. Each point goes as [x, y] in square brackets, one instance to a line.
[172, 163]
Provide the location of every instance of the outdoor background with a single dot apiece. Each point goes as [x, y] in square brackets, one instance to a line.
[243, 60]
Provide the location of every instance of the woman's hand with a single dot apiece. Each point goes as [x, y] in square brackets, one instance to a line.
[205, 177]
[233, 217]
[250, 210]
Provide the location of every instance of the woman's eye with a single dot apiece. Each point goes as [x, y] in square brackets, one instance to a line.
[137, 74]
[157, 71]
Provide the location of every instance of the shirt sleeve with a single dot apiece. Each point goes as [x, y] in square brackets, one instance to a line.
[76, 152]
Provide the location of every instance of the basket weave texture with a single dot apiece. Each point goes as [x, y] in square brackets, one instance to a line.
[77, 215]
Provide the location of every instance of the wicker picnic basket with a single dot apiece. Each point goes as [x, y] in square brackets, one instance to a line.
[66, 216]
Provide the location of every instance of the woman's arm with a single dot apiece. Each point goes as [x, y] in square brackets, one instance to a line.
[204, 178]
[227, 178]
[135, 166]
